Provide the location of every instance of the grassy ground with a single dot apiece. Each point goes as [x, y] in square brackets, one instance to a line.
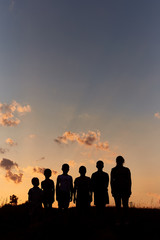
[15, 224]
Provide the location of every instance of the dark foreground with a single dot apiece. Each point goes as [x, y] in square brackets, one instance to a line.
[15, 224]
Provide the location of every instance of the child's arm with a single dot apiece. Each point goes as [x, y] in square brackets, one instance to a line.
[90, 191]
[29, 196]
[53, 191]
[57, 189]
[71, 190]
[75, 192]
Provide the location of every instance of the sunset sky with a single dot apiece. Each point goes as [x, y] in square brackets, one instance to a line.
[79, 82]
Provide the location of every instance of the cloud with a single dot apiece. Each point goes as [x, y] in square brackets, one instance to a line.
[88, 139]
[9, 166]
[41, 159]
[11, 142]
[104, 146]
[85, 138]
[41, 170]
[157, 115]
[38, 170]
[9, 113]
[16, 178]
[67, 136]
[3, 150]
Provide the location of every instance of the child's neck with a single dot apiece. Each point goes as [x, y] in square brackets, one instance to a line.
[65, 174]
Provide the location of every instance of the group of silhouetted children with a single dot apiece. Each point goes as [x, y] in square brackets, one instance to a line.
[81, 191]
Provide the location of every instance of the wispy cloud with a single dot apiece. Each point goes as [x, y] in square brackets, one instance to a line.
[88, 139]
[10, 113]
[11, 142]
[3, 150]
[157, 115]
[12, 169]
[38, 170]
[41, 170]
[104, 146]
[41, 159]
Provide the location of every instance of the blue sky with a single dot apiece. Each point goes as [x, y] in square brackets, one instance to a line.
[83, 65]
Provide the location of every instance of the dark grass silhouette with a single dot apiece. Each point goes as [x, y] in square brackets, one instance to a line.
[15, 224]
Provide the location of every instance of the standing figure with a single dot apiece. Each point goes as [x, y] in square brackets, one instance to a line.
[35, 200]
[82, 192]
[100, 181]
[64, 188]
[48, 189]
[121, 187]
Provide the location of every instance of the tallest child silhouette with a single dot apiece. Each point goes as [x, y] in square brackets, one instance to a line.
[121, 187]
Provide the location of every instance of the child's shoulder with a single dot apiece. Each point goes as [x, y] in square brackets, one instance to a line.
[30, 191]
[69, 176]
[62, 176]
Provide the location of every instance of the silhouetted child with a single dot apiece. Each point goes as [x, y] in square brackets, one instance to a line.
[64, 188]
[35, 199]
[121, 187]
[82, 192]
[48, 189]
[99, 182]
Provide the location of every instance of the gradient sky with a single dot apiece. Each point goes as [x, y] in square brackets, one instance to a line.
[88, 67]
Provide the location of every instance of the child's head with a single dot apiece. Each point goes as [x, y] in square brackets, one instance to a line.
[120, 161]
[47, 173]
[35, 182]
[100, 165]
[65, 168]
[82, 170]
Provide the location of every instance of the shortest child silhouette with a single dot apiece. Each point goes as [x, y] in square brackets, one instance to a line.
[35, 199]
[48, 189]
[64, 188]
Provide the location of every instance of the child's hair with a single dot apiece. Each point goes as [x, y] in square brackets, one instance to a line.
[35, 182]
[65, 167]
[47, 172]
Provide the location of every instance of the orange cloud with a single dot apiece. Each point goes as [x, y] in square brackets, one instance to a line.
[104, 146]
[11, 142]
[88, 139]
[8, 113]
[157, 115]
[41, 170]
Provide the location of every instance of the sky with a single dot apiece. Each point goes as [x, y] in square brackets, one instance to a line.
[79, 82]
